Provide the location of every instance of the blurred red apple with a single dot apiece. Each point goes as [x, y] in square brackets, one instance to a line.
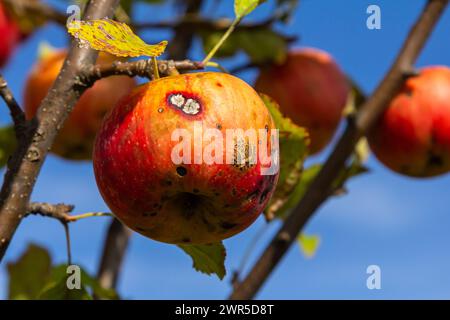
[9, 36]
[311, 90]
[193, 201]
[413, 135]
[75, 140]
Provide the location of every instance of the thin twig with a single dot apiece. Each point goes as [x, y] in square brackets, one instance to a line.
[60, 212]
[318, 191]
[68, 246]
[16, 112]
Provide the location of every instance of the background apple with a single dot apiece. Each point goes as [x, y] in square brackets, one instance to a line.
[311, 90]
[181, 203]
[9, 36]
[76, 138]
[413, 135]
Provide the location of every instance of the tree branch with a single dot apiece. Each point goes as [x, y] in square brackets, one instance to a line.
[182, 40]
[113, 253]
[141, 68]
[26, 162]
[33, 8]
[362, 123]
[16, 112]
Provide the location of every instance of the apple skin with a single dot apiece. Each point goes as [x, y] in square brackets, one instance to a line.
[9, 36]
[311, 90]
[181, 203]
[76, 138]
[412, 137]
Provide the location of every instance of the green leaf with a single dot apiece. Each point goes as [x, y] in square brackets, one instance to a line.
[113, 37]
[29, 273]
[294, 142]
[208, 258]
[263, 45]
[308, 244]
[56, 288]
[260, 44]
[8, 144]
[97, 289]
[245, 7]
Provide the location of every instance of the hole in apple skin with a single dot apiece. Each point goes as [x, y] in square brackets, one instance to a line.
[181, 171]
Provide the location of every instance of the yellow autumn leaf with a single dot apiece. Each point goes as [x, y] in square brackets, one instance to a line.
[113, 37]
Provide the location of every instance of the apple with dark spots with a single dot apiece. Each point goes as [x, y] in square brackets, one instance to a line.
[9, 36]
[311, 90]
[412, 137]
[196, 200]
[76, 138]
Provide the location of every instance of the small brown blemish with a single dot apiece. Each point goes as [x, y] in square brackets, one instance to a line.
[219, 126]
[151, 214]
[186, 240]
[161, 110]
[264, 195]
[228, 225]
[219, 84]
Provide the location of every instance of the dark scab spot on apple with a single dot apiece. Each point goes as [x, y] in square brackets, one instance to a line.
[140, 229]
[228, 225]
[253, 195]
[219, 84]
[186, 240]
[161, 110]
[434, 160]
[181, 171]
[166, 183]
[219, 126]
[151, 214]
[208, 225]
[264, 195]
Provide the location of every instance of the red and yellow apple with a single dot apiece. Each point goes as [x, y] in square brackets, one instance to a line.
[76, 138]
[412, 137]
[190, 202]
[311, 90]
[9, 36]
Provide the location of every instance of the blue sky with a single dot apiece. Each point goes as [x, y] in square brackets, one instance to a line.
[398, 223]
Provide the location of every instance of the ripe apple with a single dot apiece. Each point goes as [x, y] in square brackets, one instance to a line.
[412, 137]
[76, 138]
[311, 90]
[198, 200]
[9, 36]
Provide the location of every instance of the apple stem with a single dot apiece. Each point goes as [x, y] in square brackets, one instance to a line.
[155, 68]
[221, 41]
[88, 215]
[216, 65]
